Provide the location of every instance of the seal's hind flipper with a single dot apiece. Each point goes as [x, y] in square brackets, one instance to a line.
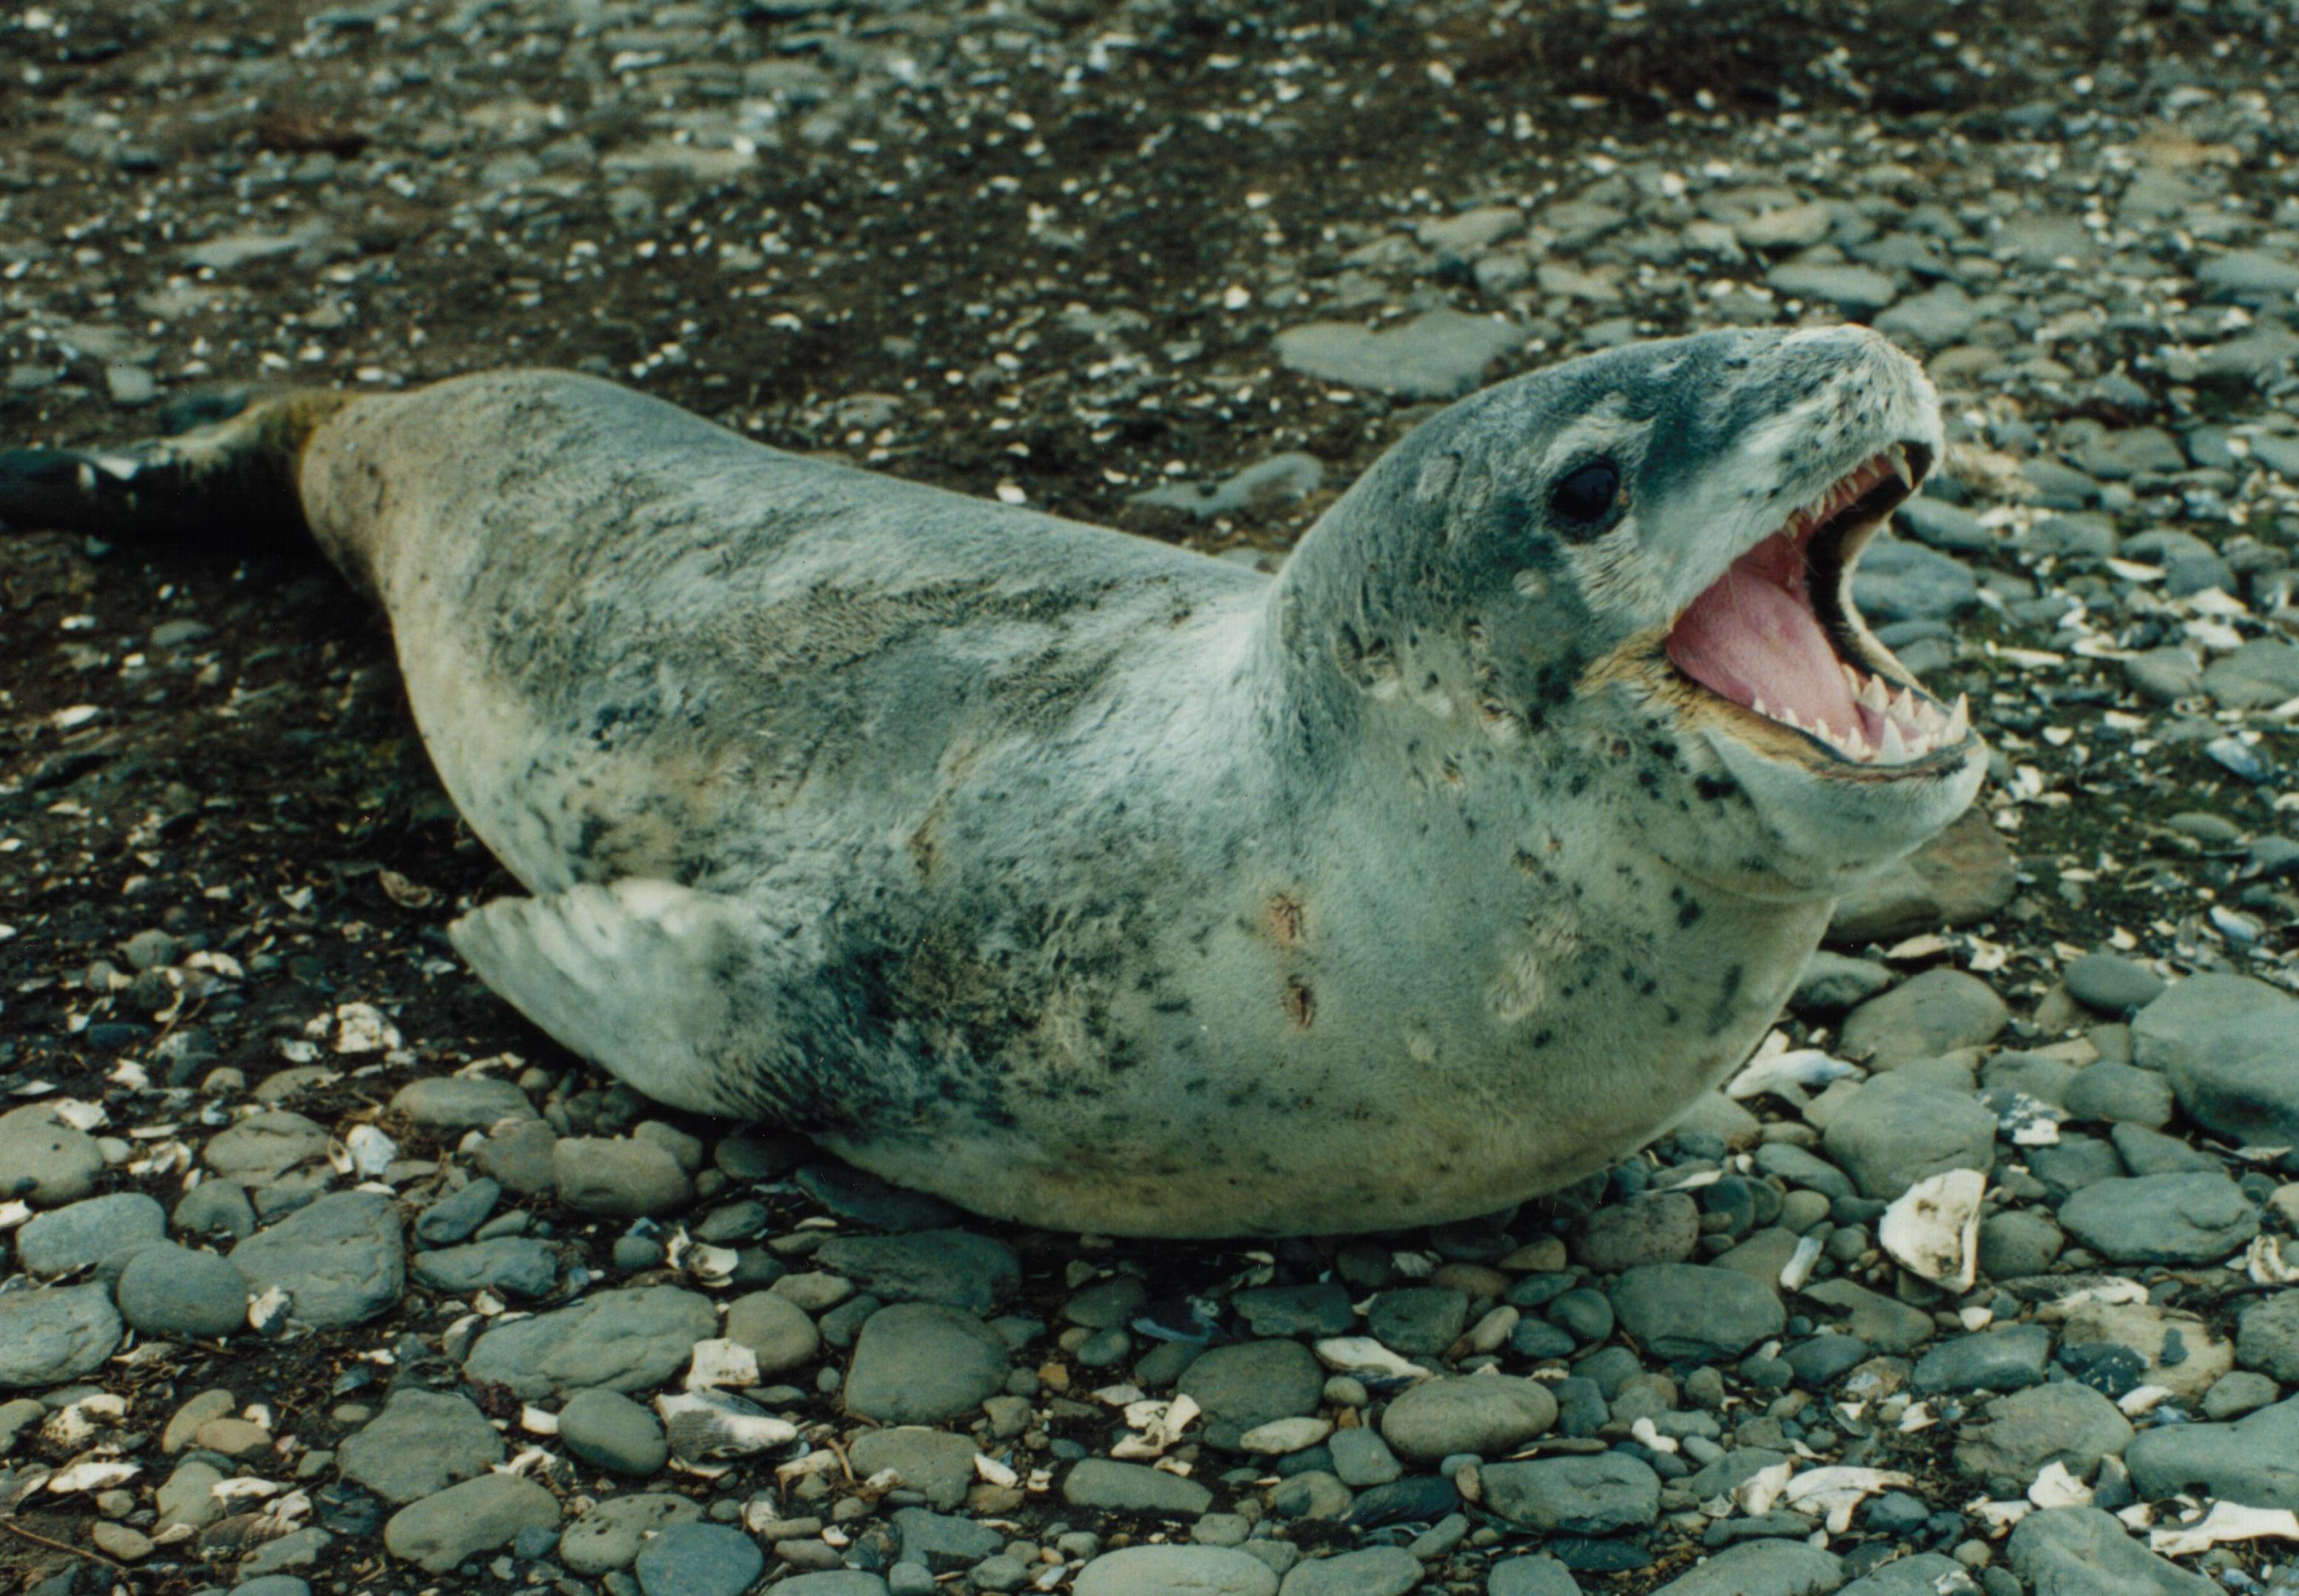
[234, 476]
[669, 988]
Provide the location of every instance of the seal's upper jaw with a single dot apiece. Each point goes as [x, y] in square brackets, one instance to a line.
[1777, 639]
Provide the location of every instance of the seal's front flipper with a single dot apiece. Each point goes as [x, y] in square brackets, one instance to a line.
[675, 991]
[235, 476]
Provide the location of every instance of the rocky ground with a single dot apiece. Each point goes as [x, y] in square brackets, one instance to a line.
[323, 1271]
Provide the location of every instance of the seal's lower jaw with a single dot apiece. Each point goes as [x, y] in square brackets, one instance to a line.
[1777, 656]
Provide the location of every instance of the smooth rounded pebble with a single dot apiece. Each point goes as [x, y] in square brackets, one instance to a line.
[2254, 1460]
[440, 1531]
[698, 1559]
[54, 1334]
[609, 1536]
[462, 1103]
[955, 1267]
[1175, 1571]
[168, 1290]
[1245, 1386]
[935, 1463]
[1482, 1414]
[1117, 1487]
[1376, 1571]
[2082, 1551]
[102, 1231]
[609, 1430]
[1591, 1495]
[621, 1178]
[341, 1261]
[1696, 1312]
[421, 1442]
[2229, 1046]
[623, 1340]
[43, 1159]
[2161, 1218]
[1761, 1568]
[776, 1330]
[921, 1363]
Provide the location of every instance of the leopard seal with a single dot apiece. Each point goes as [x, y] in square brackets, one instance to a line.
[1090, 882]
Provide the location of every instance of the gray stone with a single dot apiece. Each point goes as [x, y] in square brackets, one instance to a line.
[1175, 1571]
[297, 1549]
[2082, 1551]
[1964, 874]
[1656, 1227]
[54, 1333]
[1589, 1495]
[1761, 1568]
[518, 1266]
[609, 1536]
[1418, 1320]
[2229, 1046]
[1692, 1311]
[1831, 983]
[2166, 674]
[955, 1267]
[1248, 1384]
[2161, 1218]
[1886, 1325]
[168, 1290]
[2233, 1395]
[623, 1340]
[2001, 1358]
[1532, 1576]
[272, 1585]
[1377, 1571]
[775, 1329]
[609, 1430]
[1320, 1309]
[2249, 276]
[1900, 581]
[521, 1155]
[937, 1465]
[2112, 983]
[479, 1515]
[1935, 1012]
[1894, 1131]
[421, 1442]
[215, 1207]
[342, 1261]
[45, 1159]
[260, 1149]
[842, 1582]
[1485, 1414]
[921, 1363]
[1134, 1488]
[2267, 1336]
[943, 1542]
[1361, 1457]
[102, 1231]
[1927, 1574]
[462, 1103]
[1854, 289]
[2121, 1094]
[2028, 1430]
[698, 1559]
[1439, 354]
[2258, 676]
[1931, 320]
[1279, 480]
[2017, 1242]
[623, 1178]
[455, 1216]
[2253, 1460]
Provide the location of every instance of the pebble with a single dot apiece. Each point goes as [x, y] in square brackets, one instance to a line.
[2003, 1358]
[99, 1231]
[2161, 1218]
[2120, 1094]
[1419, 1320]
[609, 1536]
[625, 1340]
[2022, 1433]
[215, 1207]
[261, 1148]
[1376, 1571]
[453, 1217]
[1694, 1312]
[623, 1178]
[2227, 1045]
[609, 1430]
[1932, 1014]
[441, 1530]
[2112, 983]
[1480, 1414]
[1361, 1457]
[421, 1442]
[461, 1102]
[698, 1559]
[1175, 1571]
[2017, 1243]
[2254, 1460]
[1322, 1308]
[45, 1159]
[1247, 1385]
[776, 1330]
[167, 1290]
[1540, 1576]
[342, 1260]
[921, 1363]
[935, 1463]
[1134, 1488]
[1438, 354]
[54, 1333]
[1761, 1568]
[954, 1267]
[515, 1265]
[2078, 1551]
[1591, 1495]
[1895, 1132]
[1656, 1227]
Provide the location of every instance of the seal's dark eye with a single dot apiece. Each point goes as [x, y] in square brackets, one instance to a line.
[1585, 494]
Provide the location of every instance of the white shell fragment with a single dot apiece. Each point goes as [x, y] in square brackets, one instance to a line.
[1363, 1355]
[706, 1427]
[369, 1151]
[1834, 1493]
[1933, 1230]
[2055, 1487]
[2226, 1521]
[715, 1363]
[1775, 1065]
[1156, 1426]
[94, 1475]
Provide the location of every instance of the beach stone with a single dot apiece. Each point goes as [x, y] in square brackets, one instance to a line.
[1927, 1574]
[1894, 1131]
[623, 1340]
[168, 1290]
[104, 1231]
[341, 1260]
[1594, 1495]
[2267, 1336]
[955, 1267]
[1833, 983]
[1418, 1320]
[518, 1266]
[421, 1442]
[609, 1536]
[1964, 874]
[1932, 1014]
[698, 1559]
[455, 1216]
[2112, 983]
[622, 1178]
[1175, 1571]
[776, 1330]
[520, 1155]
[2082, 1551]
[260, 1149]
[921, 1363]
[1276, 1311]
[609, 1430]
[842, 1582]
[1658, 1228]
[2253, 1460]
[2229, 1046]
[943, 1542]
[1855, 290]
[461, 1101]
[1115, 1487]
[215, 1207]
[1482, 1414]
[937, 1465]
[2016, 1243]
[1361, 1457]
[2161, 1218]
[1695, 1312]
[1900, 581]
[441, 1530]
[2003, 1357]
[46, 1160]
[2120, 1094]
[54, 1333]
[1245, 1386]
[1888, 1325]
[1761, 1568]
[1376, 1571]
[2023, 1433]
[1438, 354]
[1532, 1576]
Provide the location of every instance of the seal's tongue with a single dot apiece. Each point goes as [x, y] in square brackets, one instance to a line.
[1752, 636]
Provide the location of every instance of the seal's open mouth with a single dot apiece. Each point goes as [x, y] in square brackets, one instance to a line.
[1777, 633]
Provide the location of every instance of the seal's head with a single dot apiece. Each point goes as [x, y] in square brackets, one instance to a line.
[1642, 561]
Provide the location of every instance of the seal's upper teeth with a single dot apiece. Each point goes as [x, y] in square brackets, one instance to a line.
[1873, 696]
[1959, 721]
[1898, 457]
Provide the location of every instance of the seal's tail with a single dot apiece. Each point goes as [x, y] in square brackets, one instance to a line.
[232, 477]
